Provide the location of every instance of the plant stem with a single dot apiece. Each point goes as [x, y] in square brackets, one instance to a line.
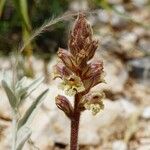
[75, 120]
[14, 135]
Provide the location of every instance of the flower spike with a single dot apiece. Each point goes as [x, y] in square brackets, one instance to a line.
[79, 76]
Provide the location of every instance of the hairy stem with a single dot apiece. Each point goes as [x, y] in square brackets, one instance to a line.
[75, 120]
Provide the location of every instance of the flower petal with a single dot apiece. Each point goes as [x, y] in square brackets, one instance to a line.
[93, 101]
[72, 85]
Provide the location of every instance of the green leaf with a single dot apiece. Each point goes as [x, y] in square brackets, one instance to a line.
[19, 6]
[22, 90]
[2, 4]
[21, 82]
[22, 136]
[34, 85]
[11, 97]
[24, 12]
[33, 106]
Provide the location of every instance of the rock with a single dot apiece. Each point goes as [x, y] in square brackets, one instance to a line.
[110, 43]
[5, 63]
[111, 111]
[119, 145]
[127, 107]
[139, 31]
[144, 45]
[140, 3]
[127, 40]
[139, 92]
[79, 5]
[92, 19]
[146, 113]
[120, 8]
[114, 1]
[140, 68]
[118, 22]
[103, 16]
[116, 74]
[144, 147]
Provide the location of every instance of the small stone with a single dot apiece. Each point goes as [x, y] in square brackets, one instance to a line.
[146, 113]
[79, 5]
[110, 43]
[119, 145]
[128, 107]
[92, 19]
[144, 147]
[144, 45]
[103, 16]
[140, 68]
[127, 40]
[114, 1]
[117, 21]
[140, 3]
[139, 31]
[116, 73]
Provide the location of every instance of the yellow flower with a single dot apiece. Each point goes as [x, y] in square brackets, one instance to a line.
[72, 85]
[93, 101]
[95, 108]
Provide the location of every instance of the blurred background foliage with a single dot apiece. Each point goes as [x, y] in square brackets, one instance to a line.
[19, 17]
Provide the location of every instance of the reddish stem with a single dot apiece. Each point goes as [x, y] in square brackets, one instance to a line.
[75, 120]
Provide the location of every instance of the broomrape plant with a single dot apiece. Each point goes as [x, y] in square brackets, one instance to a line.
[79, 76]
[17, 95]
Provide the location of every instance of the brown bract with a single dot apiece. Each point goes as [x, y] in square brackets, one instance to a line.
[81, 45]
[63, 104]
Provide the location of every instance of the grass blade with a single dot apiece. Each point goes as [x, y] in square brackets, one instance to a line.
[2, 4]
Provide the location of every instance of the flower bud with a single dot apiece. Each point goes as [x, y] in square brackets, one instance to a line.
[63, 104]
